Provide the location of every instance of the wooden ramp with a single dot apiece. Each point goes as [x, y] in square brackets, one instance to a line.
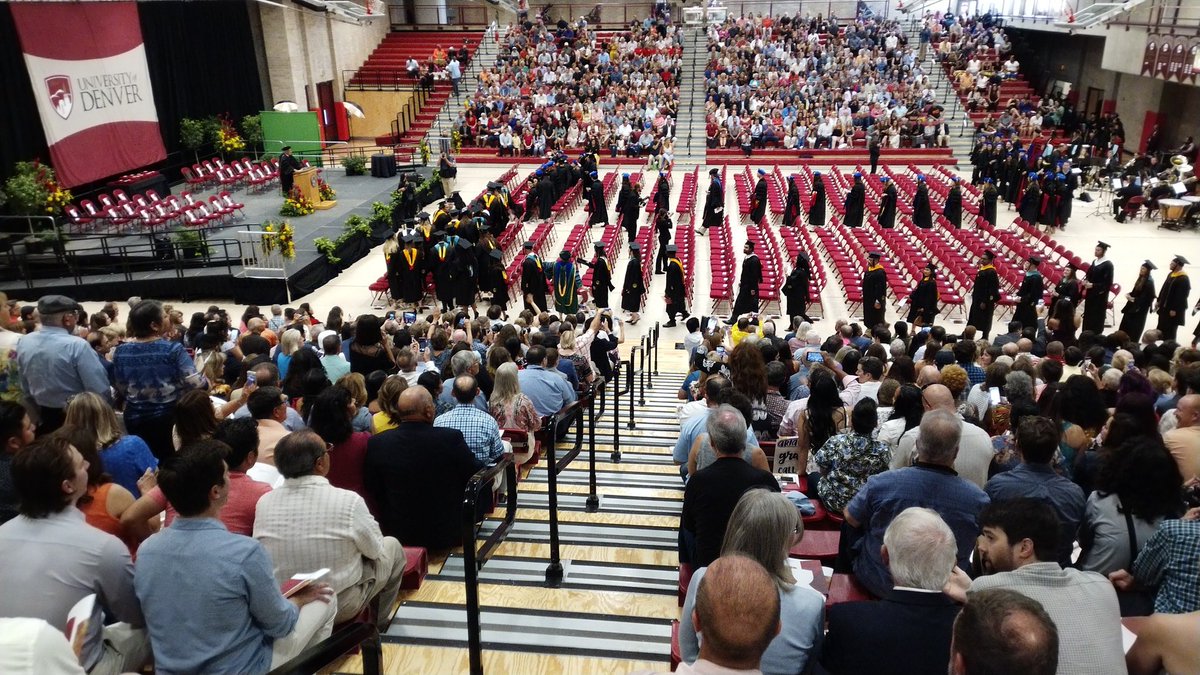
[613, 611]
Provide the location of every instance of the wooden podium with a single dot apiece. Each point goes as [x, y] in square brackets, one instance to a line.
[306, 180]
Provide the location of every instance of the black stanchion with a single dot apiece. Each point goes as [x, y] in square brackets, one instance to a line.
[474, 559]
[549, 431]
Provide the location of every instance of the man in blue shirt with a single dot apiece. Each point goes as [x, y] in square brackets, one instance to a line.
[209, 596]
[55, 364]
[694, 426]
[549, 391]
[1037, 439]
[931, 483]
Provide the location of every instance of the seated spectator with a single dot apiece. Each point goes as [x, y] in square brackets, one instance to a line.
[388, 417]
[356, 385]
[418, 468]
[975, 446]
[908, 631]
[465, 362]
[267, 375]
[712, 494]
[1168, 562]
[16, 432]
[195, 419]
[33, 647]
[1017, 551]
[702, 455]
[1002, 631]
[125, 458]
[738, 616]
[335, 363]
[211, 601]
[846, 461]
[479, 428]
[1037, 439]
[511, 408]
[51, 535]
[331, 416]
[693, 427]
[1165, 644]
[932, 483]
[105, 501]
[308, 524]
[549, 392]
[268, 406]
[763, 527]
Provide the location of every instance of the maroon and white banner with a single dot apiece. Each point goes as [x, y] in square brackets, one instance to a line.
[88, 67]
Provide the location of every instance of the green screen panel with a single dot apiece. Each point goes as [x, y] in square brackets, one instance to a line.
[300, 130]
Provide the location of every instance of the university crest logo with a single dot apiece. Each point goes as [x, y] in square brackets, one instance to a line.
[59, 89]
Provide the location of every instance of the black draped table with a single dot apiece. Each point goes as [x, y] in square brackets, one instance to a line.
[383, 166]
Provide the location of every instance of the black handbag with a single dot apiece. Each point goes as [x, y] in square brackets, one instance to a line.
[1139, 602]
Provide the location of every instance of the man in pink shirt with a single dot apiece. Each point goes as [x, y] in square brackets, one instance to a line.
[238, 439]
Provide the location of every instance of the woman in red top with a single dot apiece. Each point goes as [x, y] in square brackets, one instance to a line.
[331, 416]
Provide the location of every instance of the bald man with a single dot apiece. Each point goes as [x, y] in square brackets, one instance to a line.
[974, 447]
[416, 474]
[1184, 440]
[737, 616]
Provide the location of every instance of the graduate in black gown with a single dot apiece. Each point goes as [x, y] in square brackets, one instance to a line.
[1139, 301]
[597, 208]
[662, 225]
[1173, 299]
[988, 198]
[874, 292]
[1030, 202]
[1068, 288]
[545, 198]
[632, 288]
[796, 287]
[1017, 169]
[1068, 183]
[409, 268]
[952, 209]
[887, 204]
[984, 295]
[714, 202]
[498, 277]
[758, 200]
[791, 206]
[922, 217]
[442, 264]
[662, 193]
[533, 279]
[676, 290]
[855, 202]
[1029, 294]
[923, 301]
[747, 296]
[496, 204]
[628, 205]
[1048, 211]
[601, 276]
[816, 210]
[466, 275]
[1098, 282]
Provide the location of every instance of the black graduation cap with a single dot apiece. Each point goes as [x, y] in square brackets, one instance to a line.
[493, 185]
[463, 243]
[1149, 265]
[1102, 245]
[497, 254]
[439, 233]
[635, 247]
[988, 255]
[714, 172]
[424, 215]
[410, 221]
[565, 255]
[671, 248]
[1181, 260]
[1035, 260]
[931, 266]
[528, 245]
[598, 245]
[476, 207]
[875, 254]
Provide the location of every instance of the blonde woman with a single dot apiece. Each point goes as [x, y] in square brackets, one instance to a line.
[765, 526]
[356, 384]
[388, 417]
[567, 350]
[289, 343]
[511, 408]
[125, 458]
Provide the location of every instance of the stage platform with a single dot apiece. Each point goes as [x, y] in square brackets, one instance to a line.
[91, 266]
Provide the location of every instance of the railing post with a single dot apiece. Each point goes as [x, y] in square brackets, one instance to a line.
[593, 500]
[642, 373]
[629, 386]
[616, 449]
[554, 571]
[471, 572]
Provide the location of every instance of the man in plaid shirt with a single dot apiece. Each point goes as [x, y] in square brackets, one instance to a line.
[478, 428]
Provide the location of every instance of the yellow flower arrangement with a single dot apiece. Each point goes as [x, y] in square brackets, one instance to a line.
[58, 199]
[296, 205]
[228, 139]
[279, 236]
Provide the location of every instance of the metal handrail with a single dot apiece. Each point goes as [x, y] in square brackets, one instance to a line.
[617, 394]
[473, 560]
[549, 432]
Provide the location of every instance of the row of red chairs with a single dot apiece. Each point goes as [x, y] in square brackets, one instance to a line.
[239, 173]
[121, 214]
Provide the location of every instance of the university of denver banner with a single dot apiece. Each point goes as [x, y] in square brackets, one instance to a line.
[88, 67]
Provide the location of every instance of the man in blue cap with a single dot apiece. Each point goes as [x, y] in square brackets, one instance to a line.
[758, 203]
[855, 202]
[1030, 200]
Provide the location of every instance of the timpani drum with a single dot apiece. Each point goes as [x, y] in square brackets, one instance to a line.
[1173, 211]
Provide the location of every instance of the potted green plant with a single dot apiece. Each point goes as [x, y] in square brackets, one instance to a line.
[190, 244]
[193, 134]
[252, 132]
[327, 247]
[355, 164]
